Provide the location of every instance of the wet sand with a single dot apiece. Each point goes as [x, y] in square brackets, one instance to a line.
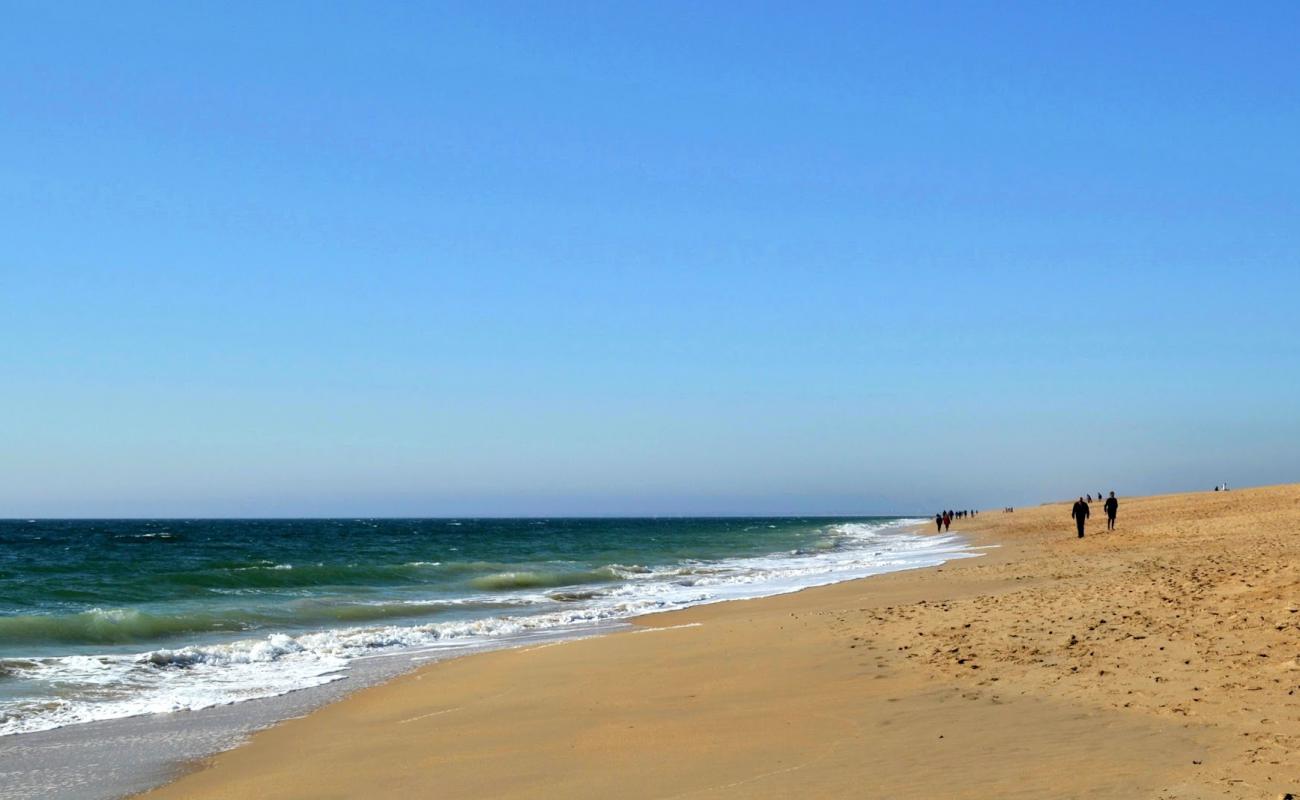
[1158, 661]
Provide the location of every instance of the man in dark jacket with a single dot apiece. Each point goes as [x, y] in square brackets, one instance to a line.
[1080, 513]
[1112, 508]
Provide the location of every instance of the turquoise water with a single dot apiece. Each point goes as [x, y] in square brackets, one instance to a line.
[102, 619]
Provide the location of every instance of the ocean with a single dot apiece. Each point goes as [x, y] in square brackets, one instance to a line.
[107, 619]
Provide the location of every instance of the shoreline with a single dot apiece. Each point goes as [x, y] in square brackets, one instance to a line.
[1156, 661]
[124, 756]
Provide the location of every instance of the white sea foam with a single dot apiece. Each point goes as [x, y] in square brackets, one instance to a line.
[187, 678]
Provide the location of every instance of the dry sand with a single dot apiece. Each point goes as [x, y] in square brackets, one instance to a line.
[1158, 661]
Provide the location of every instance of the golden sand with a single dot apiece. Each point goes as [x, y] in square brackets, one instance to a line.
[1158, 661]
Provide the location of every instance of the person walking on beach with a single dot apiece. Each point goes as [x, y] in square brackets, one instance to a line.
[1080, 514]
[1112, 508]
[947, 519]
[938, 523]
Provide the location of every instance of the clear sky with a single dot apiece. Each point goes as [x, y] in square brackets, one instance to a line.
[627, 258]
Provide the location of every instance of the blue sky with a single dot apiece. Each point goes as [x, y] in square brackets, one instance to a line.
[629, 258]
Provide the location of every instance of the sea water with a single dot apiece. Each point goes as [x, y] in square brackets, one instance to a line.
[104, 619]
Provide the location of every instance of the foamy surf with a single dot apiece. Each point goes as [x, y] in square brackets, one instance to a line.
[505, 604]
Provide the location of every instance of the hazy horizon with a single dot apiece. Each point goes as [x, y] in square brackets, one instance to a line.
[834, 514]
[643, 259]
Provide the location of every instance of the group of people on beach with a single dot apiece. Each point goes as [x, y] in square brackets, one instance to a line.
[944, 518]
[1082, 511]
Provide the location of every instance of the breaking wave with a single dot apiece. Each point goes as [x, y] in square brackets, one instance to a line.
[264, 650]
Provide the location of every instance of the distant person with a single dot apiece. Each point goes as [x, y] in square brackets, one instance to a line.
[1112, 508]
[938, 523]
[1089, 497]
[947, 520]
[1080, 513]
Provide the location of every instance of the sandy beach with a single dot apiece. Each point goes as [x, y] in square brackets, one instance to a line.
[1157, 661]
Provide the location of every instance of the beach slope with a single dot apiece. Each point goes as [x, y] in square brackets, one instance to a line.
[1157, 661]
